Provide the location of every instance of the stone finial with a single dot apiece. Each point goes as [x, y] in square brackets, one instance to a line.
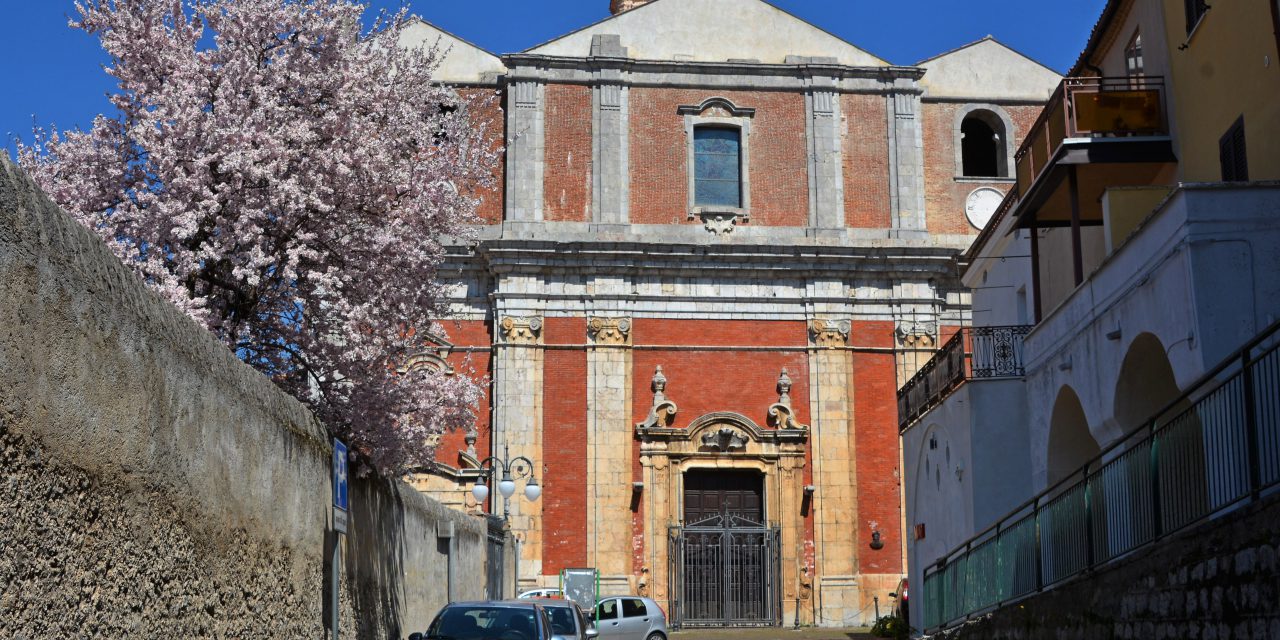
[470, 438]
[784, 388]
[781, 415]
[659, 386]
[663, 410]
[618, 6]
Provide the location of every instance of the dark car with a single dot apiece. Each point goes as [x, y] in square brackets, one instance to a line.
[507, 620]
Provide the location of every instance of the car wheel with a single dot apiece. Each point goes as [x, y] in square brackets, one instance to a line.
[656, 636]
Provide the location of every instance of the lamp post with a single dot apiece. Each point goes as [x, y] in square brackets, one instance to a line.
[512, 469]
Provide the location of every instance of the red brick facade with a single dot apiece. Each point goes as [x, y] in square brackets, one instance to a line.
[866, 161]
[815, 302]
[659, 155]
[567, 195]
[945, 194]
[564, 441]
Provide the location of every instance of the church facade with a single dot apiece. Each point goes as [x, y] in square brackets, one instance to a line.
[723, 238]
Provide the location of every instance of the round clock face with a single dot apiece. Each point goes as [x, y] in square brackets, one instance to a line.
[981, 205]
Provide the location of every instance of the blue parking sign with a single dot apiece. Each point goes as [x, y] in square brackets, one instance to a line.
[339, 475]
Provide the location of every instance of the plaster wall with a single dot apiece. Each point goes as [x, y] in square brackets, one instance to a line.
[160, 487]
[935, 496]
[1195, 275]
[987, 70]
[694, 30]
[1229, 68]
[460, 62]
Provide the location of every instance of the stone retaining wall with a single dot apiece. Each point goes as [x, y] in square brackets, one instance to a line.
[1218, 581]
[151, 485]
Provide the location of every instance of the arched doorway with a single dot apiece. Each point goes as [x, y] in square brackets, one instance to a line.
[1146, 384]
[1071, 444]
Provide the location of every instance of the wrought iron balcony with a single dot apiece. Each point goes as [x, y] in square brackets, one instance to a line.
[973, 353]
[1097, 109]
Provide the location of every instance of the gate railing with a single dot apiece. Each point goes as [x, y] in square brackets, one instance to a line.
[495, 559]
[725, 576]
[1212, 450]
[973, 353]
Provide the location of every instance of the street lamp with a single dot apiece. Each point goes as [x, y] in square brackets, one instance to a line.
[512, 469]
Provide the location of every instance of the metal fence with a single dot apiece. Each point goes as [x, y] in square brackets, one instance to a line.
[1215, 448]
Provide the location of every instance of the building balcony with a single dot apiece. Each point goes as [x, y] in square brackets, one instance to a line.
[1096, 138]
[973, 353]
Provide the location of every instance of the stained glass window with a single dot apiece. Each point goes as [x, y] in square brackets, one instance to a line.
[717, 159]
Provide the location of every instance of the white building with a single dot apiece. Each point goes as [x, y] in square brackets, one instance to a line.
[1123, 268]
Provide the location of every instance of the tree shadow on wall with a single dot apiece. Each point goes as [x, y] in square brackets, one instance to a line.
[375, 556]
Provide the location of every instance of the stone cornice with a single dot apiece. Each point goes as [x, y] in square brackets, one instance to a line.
[504, 257]
[668, 73]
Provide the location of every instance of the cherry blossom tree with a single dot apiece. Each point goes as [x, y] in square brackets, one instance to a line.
[289, 177]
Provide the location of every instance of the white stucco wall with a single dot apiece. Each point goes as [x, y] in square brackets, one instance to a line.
[936, 495]
[1201, 275]
[712, 31]
[987, 70]
[463, 63]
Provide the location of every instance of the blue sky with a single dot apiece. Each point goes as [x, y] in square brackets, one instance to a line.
[52, 74]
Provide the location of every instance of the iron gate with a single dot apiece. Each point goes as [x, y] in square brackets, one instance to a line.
[724, 572]
[494, 559]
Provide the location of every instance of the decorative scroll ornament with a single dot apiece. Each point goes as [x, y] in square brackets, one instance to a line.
[663, 410]
[725, 440]
[830, 333]
[781, 416]
[719, 223]
[521, 330]
[916, 333]
[609, 331]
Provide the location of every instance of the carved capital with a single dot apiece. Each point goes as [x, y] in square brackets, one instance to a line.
[830, 333]
[521, 330]
[917, 334]
[609, 331]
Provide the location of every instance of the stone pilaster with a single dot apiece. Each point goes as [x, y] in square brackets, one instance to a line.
[526, 151]
[517, 424]
[609, 452]
[610, 135]
[835, 504]
[906, 160]
[826, 161]
[916, 330]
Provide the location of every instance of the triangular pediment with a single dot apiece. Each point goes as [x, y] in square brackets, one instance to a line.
[712, 31]
[987, 70]
[463, 63]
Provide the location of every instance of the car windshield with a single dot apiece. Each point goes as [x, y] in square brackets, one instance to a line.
[483, 623]
[562, 621]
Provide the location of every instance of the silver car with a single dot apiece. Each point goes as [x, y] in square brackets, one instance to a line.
[568, 622]
[630, 618]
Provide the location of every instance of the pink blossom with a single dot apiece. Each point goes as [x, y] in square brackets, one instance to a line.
[287, 177]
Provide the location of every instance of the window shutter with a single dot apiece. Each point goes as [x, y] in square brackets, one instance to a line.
[1195, 9]
[1232, 154]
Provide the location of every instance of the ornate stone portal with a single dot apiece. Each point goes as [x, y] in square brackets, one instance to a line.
[723, 440]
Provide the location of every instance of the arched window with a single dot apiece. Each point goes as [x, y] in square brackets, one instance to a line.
[982, 141]
[717, 159]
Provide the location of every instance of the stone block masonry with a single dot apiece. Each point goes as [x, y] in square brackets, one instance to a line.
[154, 486]
[1217, 581]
